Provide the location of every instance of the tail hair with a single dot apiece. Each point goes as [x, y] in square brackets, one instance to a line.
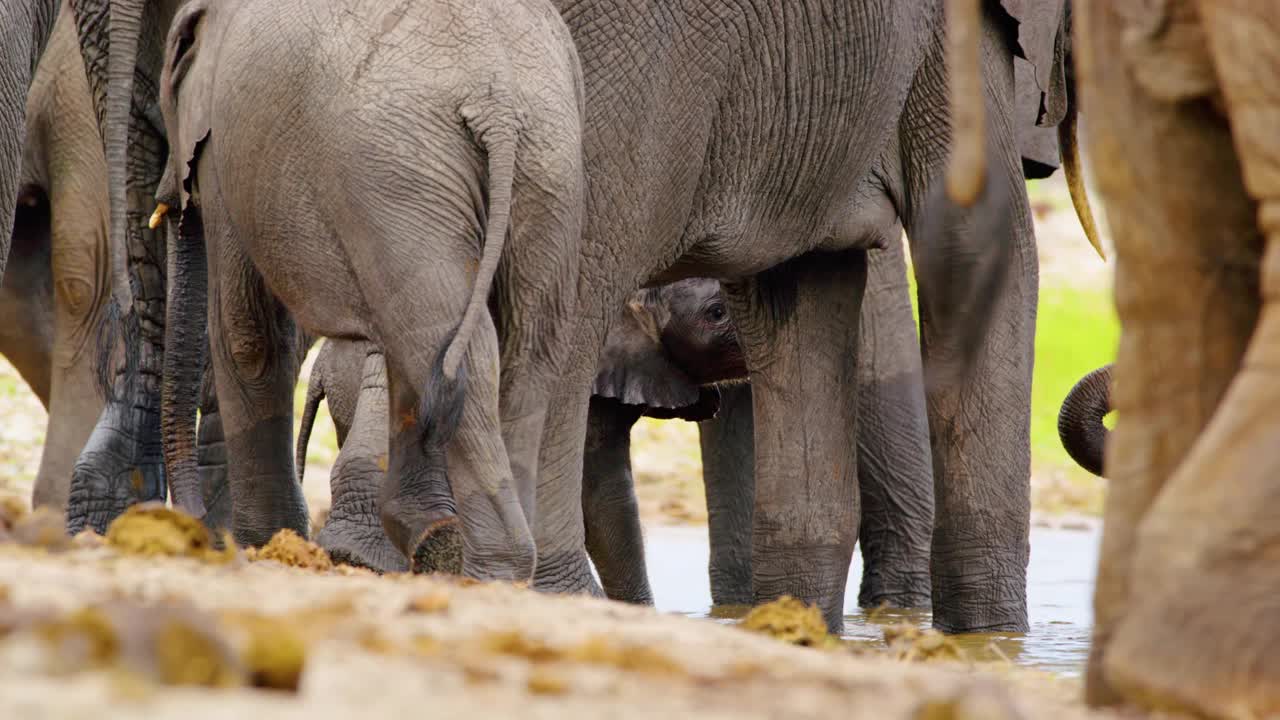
[443, 400]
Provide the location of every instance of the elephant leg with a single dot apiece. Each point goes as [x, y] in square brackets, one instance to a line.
[123, 461]
[251, 339]
[980, 429]
[728, 472]
[610, 512]
[560, 531]
[799, 328]
[1198, 552]
[1186, 285]
[353, 533]
[895, 470]
[418, 498]
[80, 264]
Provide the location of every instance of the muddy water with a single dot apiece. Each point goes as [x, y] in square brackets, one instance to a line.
[1059, 597]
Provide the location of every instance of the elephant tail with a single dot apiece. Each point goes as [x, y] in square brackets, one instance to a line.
[443, 398]
[1080, 420]
[315, 393]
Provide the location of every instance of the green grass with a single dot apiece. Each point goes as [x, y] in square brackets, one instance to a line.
[1076, 331]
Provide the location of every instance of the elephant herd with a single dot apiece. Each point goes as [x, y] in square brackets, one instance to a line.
[523, 224]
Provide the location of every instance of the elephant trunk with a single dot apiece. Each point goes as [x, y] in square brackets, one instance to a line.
[186, 326]
[109, 33]
[1080, 420]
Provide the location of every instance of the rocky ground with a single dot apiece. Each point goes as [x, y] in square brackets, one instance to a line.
[153, 622]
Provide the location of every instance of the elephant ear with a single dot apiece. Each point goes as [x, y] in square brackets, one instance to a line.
[1039, 33]
[185, 100]
[634, 368]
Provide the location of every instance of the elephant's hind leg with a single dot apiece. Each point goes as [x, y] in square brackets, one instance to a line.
[1198, 632]
[353, 533]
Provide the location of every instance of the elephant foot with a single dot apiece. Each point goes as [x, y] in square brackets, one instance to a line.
[439, 548]
[566, 572]
[975, 589]
[351, 542]
[1198, 632]
[901, 590]
[108, 478]
[815, 575]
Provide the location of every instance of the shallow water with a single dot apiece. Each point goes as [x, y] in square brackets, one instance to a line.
[1059, 597]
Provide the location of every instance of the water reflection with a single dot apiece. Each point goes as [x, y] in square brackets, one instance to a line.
[1059, 597]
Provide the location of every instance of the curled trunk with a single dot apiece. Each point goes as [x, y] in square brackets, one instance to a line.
[1080, 420]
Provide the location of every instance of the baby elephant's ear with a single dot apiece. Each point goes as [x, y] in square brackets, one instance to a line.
[705, 408]
[634, 368]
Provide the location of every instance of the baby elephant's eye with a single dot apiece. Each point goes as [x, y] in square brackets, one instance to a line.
[716, 313]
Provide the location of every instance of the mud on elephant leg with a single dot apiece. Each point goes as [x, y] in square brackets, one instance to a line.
[799, 327]
[353, 533]
[895, 473]
[609, 508]
[1186, 281]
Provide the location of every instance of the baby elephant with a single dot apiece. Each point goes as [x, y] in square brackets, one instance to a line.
[364, 169]
[1080, 427]
[661, 359]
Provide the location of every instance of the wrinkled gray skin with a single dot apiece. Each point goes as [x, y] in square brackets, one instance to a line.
[645, 108]
[894, 465]
[669, 343]
[58, 282]
[895, 470]
[699, 167]
[24, 29]
[666, 343]
[396, 215]
[1080, 426]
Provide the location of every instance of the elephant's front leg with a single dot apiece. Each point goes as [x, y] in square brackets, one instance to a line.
[123, 461]
[728, 472]
[251, 345]
[610, 512]
[895, 470]
[799, 327]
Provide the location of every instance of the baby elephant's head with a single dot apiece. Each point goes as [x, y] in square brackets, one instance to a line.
[668, 348]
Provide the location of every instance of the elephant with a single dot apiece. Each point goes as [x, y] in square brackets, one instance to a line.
[55, 292]
[701, 168]
[670, 345]
[24, 30]
[663, 359]
[486, 144]
[1186, 166]
[686, 181]
[1080, 427]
